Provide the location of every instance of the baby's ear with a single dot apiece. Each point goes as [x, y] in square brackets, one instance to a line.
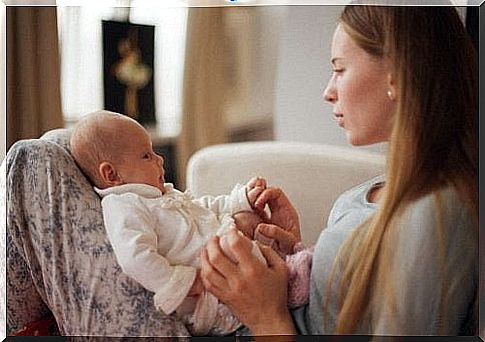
[109, 175]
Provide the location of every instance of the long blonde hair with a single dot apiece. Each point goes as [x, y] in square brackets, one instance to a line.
[434, 141]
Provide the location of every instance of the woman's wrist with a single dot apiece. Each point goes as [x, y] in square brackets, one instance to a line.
[279, 324]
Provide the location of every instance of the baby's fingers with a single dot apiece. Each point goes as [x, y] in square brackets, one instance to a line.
[252, 182]
[257, 181]
[260, 182]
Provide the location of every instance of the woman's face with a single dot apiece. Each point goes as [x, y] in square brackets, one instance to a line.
[359, 92]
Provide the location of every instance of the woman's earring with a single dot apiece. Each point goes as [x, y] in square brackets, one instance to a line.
[389, 94]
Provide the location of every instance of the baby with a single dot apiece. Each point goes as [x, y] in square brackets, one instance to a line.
[156, 231]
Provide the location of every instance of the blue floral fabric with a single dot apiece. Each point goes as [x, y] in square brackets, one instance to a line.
[59, 259]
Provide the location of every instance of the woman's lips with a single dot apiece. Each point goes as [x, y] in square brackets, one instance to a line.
[339, 119]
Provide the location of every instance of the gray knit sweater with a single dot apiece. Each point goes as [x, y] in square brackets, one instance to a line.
[416, 260]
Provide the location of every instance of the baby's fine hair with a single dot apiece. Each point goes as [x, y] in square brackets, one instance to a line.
[95, 139]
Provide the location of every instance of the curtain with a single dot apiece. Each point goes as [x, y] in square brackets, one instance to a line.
[229, 76]
[3, 88]
[206, 80]
[33, 75]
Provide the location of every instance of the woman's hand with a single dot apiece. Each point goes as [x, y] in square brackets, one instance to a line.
[280, 239]
[284, 223]
[256, 293]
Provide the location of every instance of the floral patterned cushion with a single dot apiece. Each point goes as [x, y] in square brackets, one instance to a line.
[59, 259]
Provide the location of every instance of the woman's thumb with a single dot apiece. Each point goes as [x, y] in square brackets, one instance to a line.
[272, 258]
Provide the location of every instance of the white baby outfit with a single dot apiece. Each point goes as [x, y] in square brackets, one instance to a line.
[157, 239]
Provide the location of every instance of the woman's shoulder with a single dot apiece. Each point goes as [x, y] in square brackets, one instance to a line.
[445, 202]
[440, 212]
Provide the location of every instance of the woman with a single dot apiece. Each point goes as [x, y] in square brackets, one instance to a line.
[400, 253]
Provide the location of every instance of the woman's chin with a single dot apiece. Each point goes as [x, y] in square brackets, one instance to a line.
[352, 139]
[359, 140]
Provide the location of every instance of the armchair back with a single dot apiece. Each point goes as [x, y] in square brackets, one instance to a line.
[312, 175]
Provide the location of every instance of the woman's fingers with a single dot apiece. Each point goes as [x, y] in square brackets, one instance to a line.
[267, 196]
[285, 240]
[213, 281]
[218, 259]
[256, 292]
[253, 194]
[240, 247]
[274, 232]
[283, 213]
[272, 258]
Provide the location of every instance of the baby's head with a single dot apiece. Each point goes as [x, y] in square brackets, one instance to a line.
[113, 149]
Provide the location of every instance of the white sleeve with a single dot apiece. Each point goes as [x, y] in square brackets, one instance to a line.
[432, 297]
[227, 204]
[130, 230]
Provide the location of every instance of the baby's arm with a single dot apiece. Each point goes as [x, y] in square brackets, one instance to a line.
[241, 198]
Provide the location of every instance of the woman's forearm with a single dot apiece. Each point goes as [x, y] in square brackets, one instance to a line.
[281, 324]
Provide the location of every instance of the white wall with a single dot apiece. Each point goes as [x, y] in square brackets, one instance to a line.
[304, 67]
[255, 32]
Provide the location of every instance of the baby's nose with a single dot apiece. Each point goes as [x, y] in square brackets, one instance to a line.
[160, 160]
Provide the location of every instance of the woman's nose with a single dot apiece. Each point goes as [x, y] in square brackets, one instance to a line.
[329, 94]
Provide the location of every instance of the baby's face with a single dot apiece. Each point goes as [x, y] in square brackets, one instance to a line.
[138, 163]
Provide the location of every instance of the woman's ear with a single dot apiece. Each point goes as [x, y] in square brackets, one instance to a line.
[109, 175]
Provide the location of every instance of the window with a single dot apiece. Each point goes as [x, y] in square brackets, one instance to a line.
[81, 55]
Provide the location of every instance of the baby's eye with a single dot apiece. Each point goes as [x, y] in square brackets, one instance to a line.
[147, 156]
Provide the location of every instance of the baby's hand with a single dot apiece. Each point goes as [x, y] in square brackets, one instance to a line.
[254, 188]
[254, 182]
